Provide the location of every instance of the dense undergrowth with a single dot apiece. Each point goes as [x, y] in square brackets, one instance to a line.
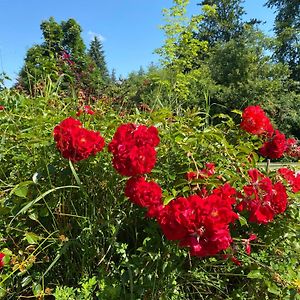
[69, 232]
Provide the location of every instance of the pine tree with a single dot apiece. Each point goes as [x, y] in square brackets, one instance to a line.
[141, 71]
[222, 21]
[96, 52]
[287, 30]
[113, 76]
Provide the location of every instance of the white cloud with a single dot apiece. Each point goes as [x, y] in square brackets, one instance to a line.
[98, 35]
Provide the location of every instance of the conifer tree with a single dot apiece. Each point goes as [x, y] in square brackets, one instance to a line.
[113, 76]
[222, 21]
[96, 52]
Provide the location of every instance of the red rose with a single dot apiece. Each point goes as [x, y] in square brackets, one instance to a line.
[263, 199]
[2, 256]
[76, 143]
[65, 126]
[292, 178]
[200, 223]
[252, 237]
[255, 121]
[145, 194]
[133, 149]
[88, 110]
[292, 148]
[211, 243]
[275, 147]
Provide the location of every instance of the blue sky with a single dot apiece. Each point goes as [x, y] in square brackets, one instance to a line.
[129, 28]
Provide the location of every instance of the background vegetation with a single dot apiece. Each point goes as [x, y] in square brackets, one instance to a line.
[68, 231]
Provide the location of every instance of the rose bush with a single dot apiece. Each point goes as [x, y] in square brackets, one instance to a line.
[218, 223]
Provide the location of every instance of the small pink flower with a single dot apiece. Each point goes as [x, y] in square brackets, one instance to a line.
[88, 110]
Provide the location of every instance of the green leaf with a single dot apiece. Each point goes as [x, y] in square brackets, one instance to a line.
[36, 289]
[26, 280]
[274, 289]
[21, 190]
[186, 188]
[243, 221]
[4, 211]
[168, 199]
[174, 192]
[237, 112]
[2, 291]
[32, 238]
[255, 274]
[27, 206]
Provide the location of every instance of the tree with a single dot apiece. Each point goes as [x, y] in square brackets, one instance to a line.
[52, 34]
[96, 52]
[72, 41]
[60, 58]
[113, 76]
[287, 30]
[222, 21]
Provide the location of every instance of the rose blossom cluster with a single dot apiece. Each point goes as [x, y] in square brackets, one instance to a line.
[134, 154]
[292, 148]
[255, 121]
[133, 149]
[75, 142]
[263, 199]
[200, 223]
[145, 194]
[291, 177]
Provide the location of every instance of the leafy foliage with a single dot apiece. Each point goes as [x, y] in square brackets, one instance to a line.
[287, 24]
[68, 230]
